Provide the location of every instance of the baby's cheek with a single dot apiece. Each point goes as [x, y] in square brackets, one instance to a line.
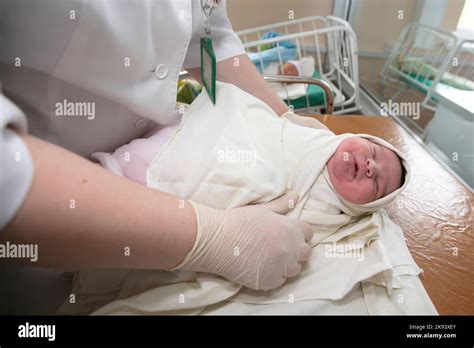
[351, 192]
[359, 193]
[367, 193]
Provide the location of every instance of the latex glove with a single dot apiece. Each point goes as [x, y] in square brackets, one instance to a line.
[304, 121]
[253, 246]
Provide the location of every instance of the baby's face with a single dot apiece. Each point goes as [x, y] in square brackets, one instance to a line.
[289, 69]
[362, 171]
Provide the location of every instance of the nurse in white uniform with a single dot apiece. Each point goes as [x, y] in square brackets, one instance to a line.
[80, 77]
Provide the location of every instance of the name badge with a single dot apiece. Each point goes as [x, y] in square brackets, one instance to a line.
[208, 68]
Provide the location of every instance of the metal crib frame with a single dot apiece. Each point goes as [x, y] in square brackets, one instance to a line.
[432, 46]
[334, 50]
[306, 80]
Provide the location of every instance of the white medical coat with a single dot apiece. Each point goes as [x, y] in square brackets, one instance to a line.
[122, 56]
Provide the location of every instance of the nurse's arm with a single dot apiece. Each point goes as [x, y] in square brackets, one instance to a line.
[242, 72]
[83, 216]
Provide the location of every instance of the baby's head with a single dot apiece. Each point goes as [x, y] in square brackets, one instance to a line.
[288, 69]
[362, 171]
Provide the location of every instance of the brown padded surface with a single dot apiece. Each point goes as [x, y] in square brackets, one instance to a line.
[435, 213]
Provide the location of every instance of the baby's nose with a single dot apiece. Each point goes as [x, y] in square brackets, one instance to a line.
[370, 166]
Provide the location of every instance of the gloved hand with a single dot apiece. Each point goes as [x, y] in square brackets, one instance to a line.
[252, 245]
[304, 121]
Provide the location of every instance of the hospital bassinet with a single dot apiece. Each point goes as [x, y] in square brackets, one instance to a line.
[331, 43]
[430, 59]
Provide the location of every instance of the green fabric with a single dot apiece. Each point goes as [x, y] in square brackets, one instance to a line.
[315, 95]
[188, 90]
[265, 47]
[448, 80]
[411, 67]
[420, 79]
[457, 82]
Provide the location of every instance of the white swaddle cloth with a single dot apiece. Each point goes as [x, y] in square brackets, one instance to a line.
[240, 152]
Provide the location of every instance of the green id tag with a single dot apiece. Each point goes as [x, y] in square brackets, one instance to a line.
[208, 68]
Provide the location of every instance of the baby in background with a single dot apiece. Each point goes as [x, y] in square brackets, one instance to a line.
[304, 67]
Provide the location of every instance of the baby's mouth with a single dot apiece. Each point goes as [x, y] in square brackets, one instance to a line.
[353, 167]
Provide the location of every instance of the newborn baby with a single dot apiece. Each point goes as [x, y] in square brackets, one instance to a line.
[240, 152]
[360, 170]
[302, 67]
[288, 69]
